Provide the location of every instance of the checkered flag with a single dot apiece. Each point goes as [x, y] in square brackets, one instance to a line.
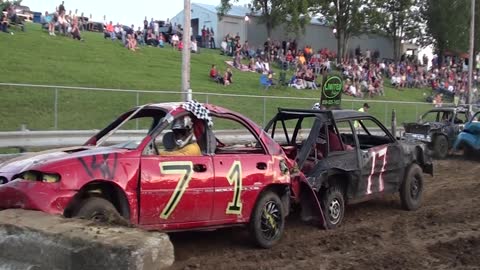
[198, 110]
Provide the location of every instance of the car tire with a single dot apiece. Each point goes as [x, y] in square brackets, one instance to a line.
[99, 210]
[268, 220]
[333, 206]
[440, 147]
[411, 190]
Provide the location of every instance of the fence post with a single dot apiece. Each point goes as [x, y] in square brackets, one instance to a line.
[264, 111]
[416, 112]
[386, 113]
[138, 103]
[55, 110]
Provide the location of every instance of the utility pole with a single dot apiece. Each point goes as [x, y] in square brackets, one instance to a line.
[470, 60]
[186, 91]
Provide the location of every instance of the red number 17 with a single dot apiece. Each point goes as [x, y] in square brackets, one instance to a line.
[377, 154]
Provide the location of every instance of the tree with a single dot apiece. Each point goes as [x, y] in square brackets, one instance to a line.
[348, 18]
[397, 19]
[447, 25]
[4, 5]
[274, 12]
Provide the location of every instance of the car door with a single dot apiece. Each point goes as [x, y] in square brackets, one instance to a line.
[176, 189]
[381, 157]
[242, 168]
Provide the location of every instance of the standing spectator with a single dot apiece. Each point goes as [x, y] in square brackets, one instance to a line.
[212, 39]
[48, 19]
[204, 37]
[194, 46]
[156, 28]
[145, 24]
[61, 8]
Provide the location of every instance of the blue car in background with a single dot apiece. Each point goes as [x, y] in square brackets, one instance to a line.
[469, 139]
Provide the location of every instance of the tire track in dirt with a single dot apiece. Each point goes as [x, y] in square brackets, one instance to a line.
[443, 234]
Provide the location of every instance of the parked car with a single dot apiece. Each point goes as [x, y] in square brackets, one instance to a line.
[438, 128]
[469, 139]
[346, 165]
[237, 180]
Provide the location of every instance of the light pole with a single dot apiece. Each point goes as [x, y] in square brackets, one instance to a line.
[186, 91]
[470, 60]
[246, 19]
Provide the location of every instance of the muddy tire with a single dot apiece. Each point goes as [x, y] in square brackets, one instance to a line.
[268, 220]
[411, 190]
[440, 147]
[99, 210]
[333, 206]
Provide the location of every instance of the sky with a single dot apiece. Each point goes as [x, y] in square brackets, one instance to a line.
[124, 12]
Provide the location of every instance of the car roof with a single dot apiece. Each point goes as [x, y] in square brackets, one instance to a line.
[449, 109]
[336, 114]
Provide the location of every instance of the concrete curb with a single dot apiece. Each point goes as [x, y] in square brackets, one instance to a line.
[37, 241]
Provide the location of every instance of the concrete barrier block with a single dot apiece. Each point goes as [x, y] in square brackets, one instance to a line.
[35, 240]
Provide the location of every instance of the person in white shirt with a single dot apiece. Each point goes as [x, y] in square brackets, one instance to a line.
[194, 46]
[175, 41]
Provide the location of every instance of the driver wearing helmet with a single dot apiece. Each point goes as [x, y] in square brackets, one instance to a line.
[183, 135]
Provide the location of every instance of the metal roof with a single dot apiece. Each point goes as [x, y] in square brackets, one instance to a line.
[238, 11]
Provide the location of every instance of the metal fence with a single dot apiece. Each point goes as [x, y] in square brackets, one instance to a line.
[50, 107]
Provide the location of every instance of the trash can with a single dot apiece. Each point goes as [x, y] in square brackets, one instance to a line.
[37, 17]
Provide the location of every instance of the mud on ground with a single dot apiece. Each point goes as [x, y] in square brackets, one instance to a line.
[443, 234]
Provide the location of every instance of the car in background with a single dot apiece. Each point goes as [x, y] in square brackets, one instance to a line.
[438, 128]
[348, 157]
[469, 139]
[238, 180]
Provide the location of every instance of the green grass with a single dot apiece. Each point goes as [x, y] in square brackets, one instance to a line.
[34, 57]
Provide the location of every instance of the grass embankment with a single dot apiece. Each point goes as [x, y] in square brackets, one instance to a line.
[34, 57]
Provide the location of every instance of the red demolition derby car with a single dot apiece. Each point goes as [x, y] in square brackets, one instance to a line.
[239, 178]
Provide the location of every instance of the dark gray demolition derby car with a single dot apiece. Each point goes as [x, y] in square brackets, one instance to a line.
[348, 157]
[438, 128]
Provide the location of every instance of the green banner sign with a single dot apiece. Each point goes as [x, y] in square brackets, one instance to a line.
[331, 96]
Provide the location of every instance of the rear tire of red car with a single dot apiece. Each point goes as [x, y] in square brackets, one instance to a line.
[268, 220]
[99, 210]
[440, 147]
[333, 206]
[411, 191]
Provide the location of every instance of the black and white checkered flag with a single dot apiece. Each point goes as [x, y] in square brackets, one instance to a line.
[198, 110]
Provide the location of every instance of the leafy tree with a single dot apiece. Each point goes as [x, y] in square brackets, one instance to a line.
[274, 12]
[447, 25]
[347, 16]
[397, 19]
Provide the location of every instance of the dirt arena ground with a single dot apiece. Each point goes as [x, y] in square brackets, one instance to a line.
[443, 234]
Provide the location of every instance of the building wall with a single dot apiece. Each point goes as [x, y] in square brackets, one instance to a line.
[318, 36]
[204, 16]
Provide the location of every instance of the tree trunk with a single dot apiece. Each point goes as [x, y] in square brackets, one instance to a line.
[269, 30]
[395, 49]
[339, 48]
[345, 46]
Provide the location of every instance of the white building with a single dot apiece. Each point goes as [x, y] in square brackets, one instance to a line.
[316, 33]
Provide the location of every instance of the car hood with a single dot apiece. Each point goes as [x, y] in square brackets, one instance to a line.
[34, 159]
[422, 128]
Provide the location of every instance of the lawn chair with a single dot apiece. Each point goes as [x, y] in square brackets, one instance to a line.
[264, 82]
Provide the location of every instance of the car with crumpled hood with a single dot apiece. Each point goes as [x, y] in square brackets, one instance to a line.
[438, 128]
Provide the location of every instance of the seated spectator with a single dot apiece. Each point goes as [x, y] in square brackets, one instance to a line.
[75, 30]
[251, 64]
[259, 66]
[194, 47]
[151, 39]
[227, 77]
[139, 37]
[175, 41]
[131, 43]
[161, 40]
[3, 22]
[310, 79]
[110, 31]
[180, 45]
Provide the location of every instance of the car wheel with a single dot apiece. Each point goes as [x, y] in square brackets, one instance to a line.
[268, 220]
[440, 147]
[99, 210]
[333, 206]
[411, 190]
